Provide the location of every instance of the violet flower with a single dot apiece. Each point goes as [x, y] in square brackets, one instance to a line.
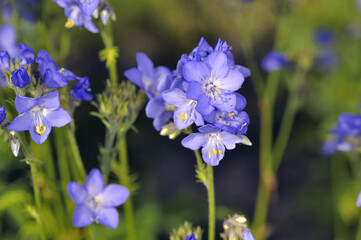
[96, 203]
[2, 114]
[213, 142]
[39, 115]
[274, 62]
[81, 90]
[190, 237]
[53, 76]
[20, 77]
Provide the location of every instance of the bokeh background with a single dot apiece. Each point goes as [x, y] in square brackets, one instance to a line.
[315, 197]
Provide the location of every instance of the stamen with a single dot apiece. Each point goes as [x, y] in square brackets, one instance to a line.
[219, 152]
[62, 71]
[214, 151]
[230, 114]
[40, 129]
[69, 23]
[209, 154]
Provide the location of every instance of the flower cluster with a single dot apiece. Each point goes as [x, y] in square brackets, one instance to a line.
[41, 112]
[202, 90]
[96, 203]
[347, 134]
[79, 13]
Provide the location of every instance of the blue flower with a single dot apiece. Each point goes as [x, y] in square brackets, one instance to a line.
[96, 203]
[274, 62]
[20, 51]
[191, 237]
[347, 134]
[326, 60]
[88, 6]
[2, 114]
[247, 235]
[4, 61]
[213, 142]
[81, 90]
[26, 9]
[53, 76]
[324, 37]
[39, 115]
[75, 14]
[154, 81]
[185, 114]
[20, 77]
[212, 83]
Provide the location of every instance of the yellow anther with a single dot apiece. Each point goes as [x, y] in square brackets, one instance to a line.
[41, 129]
[219, 90]
[214, 150]
[216, 95]
[186, 116]
[62, 71]
[209, 154]
[230, 114]
[69, 23]
[182, 113]
[180, 118]
[219, 152]
[97, 200]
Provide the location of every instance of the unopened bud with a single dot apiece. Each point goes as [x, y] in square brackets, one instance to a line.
[14, 143]
[107, 12]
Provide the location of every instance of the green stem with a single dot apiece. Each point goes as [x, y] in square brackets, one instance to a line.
[34, 175]
[128, 205]
[74, 150]
[107, 37]
[211, 205]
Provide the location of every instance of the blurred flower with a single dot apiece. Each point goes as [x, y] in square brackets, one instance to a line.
[274, 61]
[347, 134]
[212, 83]
[236, 228]
[154, 81]
[39, 115]
[81, 90]
[20, 78]
[94, 203]
[107, 12]
[326, 60]
[2, 114]
[247, 235]
[358, 201]
[324, 36]
[79, 13]
[213, 142]
[53, 76]
[21, 52]
[26, 9]
[4, 61]
[191, 237]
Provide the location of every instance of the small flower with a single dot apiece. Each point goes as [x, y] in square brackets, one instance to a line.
[96, 203]
[107, 12]
[53, 76]
[324, 37]
[154, 81]
[20, 77]
[274, 62]
[81, 90]
[39, 115]
[213, 142]
[191, 236]
[2, 114]
[212, 83]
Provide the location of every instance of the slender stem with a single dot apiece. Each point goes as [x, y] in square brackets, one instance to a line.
[198, 158]
[128, 205]
[77, 161]
[34, 175]
[211, 205]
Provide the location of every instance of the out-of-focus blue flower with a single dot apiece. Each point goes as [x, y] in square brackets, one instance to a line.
[20, 51]
[96, 203]
[53, 76]
[247, 235]
[326, 60]
[154, 81]
[347, 134]
[39, 115]
[324, 37]
[74, 11]
[20, 77]
[2, 114]
[81, 90]
[4, 61]
[213, 142]
[26, 9]
[358, 201]
[274, 61]
[186, 113]
[191, 237]
[212, 83]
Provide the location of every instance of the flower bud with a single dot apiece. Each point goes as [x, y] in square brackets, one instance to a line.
[20, 78]
[106, 12]
[4, 61]
[14, 143]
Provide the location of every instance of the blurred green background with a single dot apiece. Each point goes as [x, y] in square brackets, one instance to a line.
[315, 196]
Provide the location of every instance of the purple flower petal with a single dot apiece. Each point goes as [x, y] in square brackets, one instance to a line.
[77, 192]
[163, 76]
[114, 195]
[247, 235]
[155, 107]
[195, 71]
[49, 101]
[53, 80]
[241, 102]
[94, 182]
[21, 122]
[203, 106]
[39, 138]
[175, 97]
[45, 62]
[7, 37]
[194, 141]
[358, 201]
[20, 78]
[89, 25]
[227, 103]
[108, 217]
[88, 6]
[66, 74]
[229, 140]
[145, 64]
[135, 76]
[58, 118]
[159, 122]
[82, 216]
[24, 104]
[219, 64]
[194, 90]
[208, 129]
[232, 82]
[212, 154]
